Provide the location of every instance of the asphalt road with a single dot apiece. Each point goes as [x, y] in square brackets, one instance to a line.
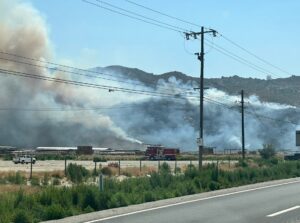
[267, 204]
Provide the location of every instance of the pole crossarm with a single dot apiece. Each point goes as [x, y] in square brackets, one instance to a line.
[195, 35]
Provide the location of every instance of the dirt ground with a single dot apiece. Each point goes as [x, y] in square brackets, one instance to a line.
[58, 165]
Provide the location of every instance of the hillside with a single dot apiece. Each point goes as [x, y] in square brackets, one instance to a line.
[281, 90]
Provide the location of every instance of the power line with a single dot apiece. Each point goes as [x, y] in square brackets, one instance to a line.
[123, 79]
[164, 14]
[222, 35]
[91, 85]
[77, 83]
[257, 116]
[239, 58]
[88, 75]
[142, 16]
[130, 16]
[57, 65]
[62, 109]
[248, 112]
[254, 55]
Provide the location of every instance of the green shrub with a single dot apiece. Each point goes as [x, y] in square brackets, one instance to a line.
[90, 199]
[8, 157]
[155, 180]
[177, 170]
[55, 157]
[46, 198]
[148, 196]
[106, 171]
[16, 178]
[54, 212]
[267, 152]
[214, 185]
[117, 200]
[19, 198]
[165, 168]
[99, 159]
[46, 179]
[242, 163]
[88, 209]
[21, 216]
[77, 173]
[58, 202]
[274, 161]
[35, 181]
[56, 182]
[191, 172]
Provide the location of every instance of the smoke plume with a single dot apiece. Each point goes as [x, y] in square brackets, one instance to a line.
[123, 120]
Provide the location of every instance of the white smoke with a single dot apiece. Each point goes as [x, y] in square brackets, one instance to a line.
[135, 118]
[24, 32]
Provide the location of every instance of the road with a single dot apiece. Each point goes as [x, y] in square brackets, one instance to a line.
[57, 165]
[271, 202]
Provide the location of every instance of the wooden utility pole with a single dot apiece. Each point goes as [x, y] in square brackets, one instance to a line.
[200, 55]
[243, 124]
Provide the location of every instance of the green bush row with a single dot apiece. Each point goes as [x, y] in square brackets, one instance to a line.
[58, 202]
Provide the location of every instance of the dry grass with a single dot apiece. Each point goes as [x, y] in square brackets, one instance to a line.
[10, 188]
[135, 171]
[4, 174]
[227, 166]
[40, 175]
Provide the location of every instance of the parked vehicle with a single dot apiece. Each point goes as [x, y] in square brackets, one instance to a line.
[161, 153]
[24, 159]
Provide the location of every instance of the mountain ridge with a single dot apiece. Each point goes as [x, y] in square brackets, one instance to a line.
[279, 90]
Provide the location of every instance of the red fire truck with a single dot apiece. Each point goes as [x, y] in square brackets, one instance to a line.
[159, 152]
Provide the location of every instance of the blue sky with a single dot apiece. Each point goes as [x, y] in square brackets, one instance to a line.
[90, 36]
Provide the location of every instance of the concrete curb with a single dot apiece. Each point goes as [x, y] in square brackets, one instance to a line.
[134, 208]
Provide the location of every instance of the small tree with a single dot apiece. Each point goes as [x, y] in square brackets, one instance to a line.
[267, 152]
[165, 169]
[77, 173]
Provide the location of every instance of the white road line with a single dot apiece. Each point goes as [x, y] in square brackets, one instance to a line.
[191, 201]
[283, 211]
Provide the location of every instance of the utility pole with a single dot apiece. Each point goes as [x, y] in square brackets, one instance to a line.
[200, 57]
[243, 124]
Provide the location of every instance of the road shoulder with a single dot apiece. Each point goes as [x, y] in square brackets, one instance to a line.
[132, 209]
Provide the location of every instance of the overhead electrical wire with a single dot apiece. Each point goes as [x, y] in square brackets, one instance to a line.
[161, 13]
[62, 109]
[215, 46]
[72, 109]
[254, 55]
[77, 83]
[130, 16]
[142, 16]
[248, 112]
[163, 25]
[258, 118]
[239, 58]
[92, 85]
[119, 79]
[161, 87]
[222, 35]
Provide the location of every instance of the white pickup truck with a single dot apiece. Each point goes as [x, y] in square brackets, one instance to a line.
[24, 159]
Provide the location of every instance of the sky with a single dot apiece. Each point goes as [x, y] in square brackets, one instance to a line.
[88, 36]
